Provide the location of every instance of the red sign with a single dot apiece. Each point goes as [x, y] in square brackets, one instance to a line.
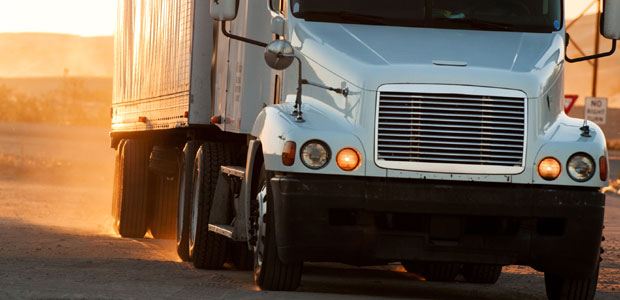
[569, 102]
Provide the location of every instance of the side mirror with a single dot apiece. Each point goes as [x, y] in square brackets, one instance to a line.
[224, 10]
[610, 22]
[279, 54]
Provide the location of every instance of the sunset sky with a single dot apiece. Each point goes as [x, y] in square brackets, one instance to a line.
[95, 17]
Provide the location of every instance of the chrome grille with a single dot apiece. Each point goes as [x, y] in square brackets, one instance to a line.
[451, 129]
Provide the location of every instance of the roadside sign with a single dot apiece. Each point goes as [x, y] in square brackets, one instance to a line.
[569, 102]
[596, 110]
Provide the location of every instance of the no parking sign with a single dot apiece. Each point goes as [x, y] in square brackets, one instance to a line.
[596, 110]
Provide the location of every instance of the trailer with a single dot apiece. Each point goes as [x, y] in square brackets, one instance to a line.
[269, 133]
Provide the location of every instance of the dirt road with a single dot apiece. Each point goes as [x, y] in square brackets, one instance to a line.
[56, 239]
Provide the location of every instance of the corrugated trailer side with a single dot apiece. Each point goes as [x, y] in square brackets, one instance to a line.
[162, 75]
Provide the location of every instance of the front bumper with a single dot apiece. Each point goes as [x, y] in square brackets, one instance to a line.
[363, 220]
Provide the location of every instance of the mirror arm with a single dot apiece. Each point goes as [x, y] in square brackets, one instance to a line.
[589, 57]
[300, 82]
[240, 38]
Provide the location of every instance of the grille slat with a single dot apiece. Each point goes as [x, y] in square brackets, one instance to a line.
[451, 129]
[420, 132]
[434, 144]
[387, 95]
[456, 110]
[447, 103]
[394, 149]
[420, 125]
[434, 120]
[451, 115]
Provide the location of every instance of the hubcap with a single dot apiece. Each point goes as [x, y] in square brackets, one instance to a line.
[261, 231]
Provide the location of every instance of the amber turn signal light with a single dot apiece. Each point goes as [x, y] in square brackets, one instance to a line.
[549, 168]
[288, 153]
[602, 163]
[348, 159]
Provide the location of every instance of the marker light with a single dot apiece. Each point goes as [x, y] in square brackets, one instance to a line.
[315, 154]
[288, 153]
[348, 159]
[604, 170]
[581, 167]
[549, 168]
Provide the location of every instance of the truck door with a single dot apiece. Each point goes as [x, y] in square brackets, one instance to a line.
[249, 80]
[277, 6]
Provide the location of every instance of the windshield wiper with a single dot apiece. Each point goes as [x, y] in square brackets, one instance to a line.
[478, 24]
[345, 16]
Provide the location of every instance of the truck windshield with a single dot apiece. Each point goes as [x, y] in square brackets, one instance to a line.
[503, 15]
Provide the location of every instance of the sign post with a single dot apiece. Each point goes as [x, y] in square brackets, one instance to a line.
[596, 110]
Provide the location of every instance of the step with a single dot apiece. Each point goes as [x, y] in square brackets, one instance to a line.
[225, 230]
[235, 171]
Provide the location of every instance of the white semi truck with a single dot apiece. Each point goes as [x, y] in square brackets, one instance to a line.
[269, 133]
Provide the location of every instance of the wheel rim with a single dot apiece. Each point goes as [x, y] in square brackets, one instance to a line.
[193, 228]
[261, 232]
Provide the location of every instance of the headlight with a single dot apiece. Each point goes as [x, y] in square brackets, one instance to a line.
[581, 167]
[315, 154]
[549, 168]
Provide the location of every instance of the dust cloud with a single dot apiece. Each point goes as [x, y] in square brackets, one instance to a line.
[59, 176]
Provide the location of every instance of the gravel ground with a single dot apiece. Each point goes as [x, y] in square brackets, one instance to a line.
[57, 242]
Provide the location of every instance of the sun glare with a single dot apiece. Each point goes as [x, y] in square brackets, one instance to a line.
[79, 17]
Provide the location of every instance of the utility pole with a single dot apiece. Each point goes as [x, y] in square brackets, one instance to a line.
[596, 48]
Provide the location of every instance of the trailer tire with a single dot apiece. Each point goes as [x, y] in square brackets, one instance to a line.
[560, 287]
[186, 173]
[270, 273]
[163, 218]
[434, 271]
[116, 189]
[207, 249]
[482, 273]
[241, 257]
[133, 205]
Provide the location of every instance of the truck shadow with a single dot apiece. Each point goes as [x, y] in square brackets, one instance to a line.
[58, 262]
[385, 283]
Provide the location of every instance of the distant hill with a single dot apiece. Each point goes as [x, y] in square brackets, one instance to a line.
[37, 86]
[48, 55]
[26, 55]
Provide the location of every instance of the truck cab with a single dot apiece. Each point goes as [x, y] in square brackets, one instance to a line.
[430, 133]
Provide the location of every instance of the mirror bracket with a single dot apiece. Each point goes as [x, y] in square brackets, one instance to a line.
[240, 38]
[589, 57]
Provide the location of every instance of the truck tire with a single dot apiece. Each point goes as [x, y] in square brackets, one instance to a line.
[186, 173]
[241, 257]
[434, 271]
[207, 249]
[270, 273]
[116, 189]
[560, 287]
[481, 273]
[164, 212]
[133, 204]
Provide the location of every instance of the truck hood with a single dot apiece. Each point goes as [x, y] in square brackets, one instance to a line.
[369, 56]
